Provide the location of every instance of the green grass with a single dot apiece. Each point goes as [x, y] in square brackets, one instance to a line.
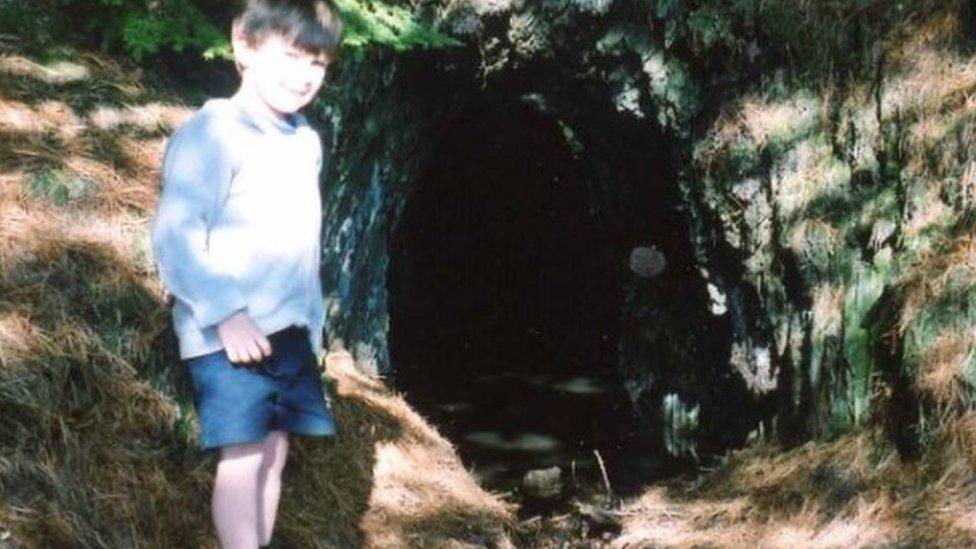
[58, 186]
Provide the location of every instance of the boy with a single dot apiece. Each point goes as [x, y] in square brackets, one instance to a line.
[236, 238]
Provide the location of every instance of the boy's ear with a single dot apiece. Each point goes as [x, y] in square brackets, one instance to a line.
[241, 46]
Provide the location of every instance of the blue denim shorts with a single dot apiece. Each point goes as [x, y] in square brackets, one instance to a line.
[239, 403]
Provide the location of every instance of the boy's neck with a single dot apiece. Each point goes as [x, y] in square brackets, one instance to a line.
[248, 98]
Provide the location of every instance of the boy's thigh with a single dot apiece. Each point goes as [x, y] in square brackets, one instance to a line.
[234, 402]
[300, 405]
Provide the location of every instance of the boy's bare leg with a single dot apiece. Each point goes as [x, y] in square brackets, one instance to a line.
[269, 483]
[234, 505]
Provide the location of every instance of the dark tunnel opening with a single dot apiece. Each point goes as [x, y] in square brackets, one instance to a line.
[507, 279]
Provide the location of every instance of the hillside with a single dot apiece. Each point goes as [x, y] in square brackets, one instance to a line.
[97, 434]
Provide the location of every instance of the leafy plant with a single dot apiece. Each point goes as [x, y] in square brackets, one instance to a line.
[144, 28]
[370, 22]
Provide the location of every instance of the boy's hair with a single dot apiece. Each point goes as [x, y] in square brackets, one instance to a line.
[312, 25]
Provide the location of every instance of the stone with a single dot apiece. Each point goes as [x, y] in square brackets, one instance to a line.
[543, 483]
[647, 261]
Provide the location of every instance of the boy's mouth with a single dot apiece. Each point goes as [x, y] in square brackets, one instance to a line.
[298, 94]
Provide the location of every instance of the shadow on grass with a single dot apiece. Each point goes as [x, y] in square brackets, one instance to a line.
[97, 438]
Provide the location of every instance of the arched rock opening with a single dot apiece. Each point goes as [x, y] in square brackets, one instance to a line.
[523, 323]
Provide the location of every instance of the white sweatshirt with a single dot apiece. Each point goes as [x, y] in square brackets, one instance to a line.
[238, 225]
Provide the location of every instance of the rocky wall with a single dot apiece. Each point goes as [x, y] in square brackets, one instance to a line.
[820, 188]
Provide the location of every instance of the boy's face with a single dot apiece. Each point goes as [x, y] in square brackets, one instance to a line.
[284, 76]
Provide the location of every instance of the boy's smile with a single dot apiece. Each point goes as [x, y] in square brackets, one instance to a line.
[280, 75]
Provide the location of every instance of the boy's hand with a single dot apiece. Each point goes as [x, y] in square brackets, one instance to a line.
[242, 340]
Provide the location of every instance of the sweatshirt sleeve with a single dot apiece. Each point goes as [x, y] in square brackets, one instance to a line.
[197, 169]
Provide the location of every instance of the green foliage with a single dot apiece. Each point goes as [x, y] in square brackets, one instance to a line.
[145, 28]
[140, 28]
[177, 25]
[142, 35]
[371, 22]
[703, 26]
[30, 19]
[709, 26]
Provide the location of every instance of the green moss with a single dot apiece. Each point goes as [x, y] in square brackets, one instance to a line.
[742, 157]
[813, 183]
[953, 311]
[865, 288]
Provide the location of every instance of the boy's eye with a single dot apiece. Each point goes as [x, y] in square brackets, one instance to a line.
[301, 55]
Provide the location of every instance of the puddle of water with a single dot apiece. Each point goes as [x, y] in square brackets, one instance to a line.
[580, 386]
[455, 407]
[508, 423]
[525, 442]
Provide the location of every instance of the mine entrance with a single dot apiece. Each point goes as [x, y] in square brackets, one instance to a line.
[505, 294]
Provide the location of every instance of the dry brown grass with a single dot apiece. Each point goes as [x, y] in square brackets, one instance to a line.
[928, 279]
[393, 476]
[88, 119]
[765, 121]
[942, 366]
[929, 95]
[853, 492]
[827, 309]
[97, 435]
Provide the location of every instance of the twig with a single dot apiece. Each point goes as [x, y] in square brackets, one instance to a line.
[603, 471]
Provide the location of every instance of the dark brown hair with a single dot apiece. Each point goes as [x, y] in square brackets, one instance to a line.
[312, 25]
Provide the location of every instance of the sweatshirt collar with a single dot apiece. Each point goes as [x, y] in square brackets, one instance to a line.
[262, 116]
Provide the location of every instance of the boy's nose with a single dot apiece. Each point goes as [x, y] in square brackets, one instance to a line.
[302, 80]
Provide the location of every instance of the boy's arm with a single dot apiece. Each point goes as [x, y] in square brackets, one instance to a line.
[197, 168]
